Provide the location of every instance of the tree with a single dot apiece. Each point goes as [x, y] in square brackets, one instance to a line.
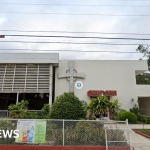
[99, 105]
[67, 106]
[146, 51]
[144, 79]
[115, 106]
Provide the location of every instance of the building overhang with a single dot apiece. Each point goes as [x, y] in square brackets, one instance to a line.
[27, 58]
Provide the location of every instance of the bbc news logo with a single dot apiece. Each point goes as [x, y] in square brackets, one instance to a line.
[9, 133]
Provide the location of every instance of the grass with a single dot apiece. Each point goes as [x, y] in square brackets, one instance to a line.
[145, 131]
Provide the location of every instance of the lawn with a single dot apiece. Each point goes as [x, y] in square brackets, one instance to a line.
[145, 131]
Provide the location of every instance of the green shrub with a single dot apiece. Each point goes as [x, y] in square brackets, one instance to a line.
[7, 125]
[93, 118]
[67, 106]
[144, 119]
[83, 127]
[45, 109]
[132, 118]
[18, 110]
[135, 110]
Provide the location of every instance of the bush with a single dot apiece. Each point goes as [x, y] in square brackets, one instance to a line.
[67, 106]
[18, 110]
[45, 109]
[135, 110]
[144, 119]
[93, 118]
[132, 118]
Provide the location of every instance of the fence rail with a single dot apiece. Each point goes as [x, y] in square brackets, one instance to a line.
[61, 132]
[3, 113]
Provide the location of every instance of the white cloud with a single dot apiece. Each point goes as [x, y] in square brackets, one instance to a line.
[2, 20]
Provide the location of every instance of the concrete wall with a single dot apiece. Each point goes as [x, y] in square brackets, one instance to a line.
[104, 75]
[144, 104]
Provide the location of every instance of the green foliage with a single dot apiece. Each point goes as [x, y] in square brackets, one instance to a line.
[7, 125]
[143, 79]
[144, 119]
[93, 118]
[143, 49]
[45, 109]
[135, 110]
[145, 131]
[132, 118]
[83, 127]
[99, 105]
[67, 106]
[82, 134]
[115, 106]
[18, 110]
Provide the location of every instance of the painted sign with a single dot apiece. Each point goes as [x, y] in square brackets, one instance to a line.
[31, 131]
[79, 85]
[99, 92]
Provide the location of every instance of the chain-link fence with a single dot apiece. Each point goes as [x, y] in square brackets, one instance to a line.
[74, 133]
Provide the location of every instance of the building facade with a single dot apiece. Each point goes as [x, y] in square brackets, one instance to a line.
[41, 77]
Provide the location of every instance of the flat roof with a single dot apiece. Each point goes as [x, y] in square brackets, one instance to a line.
[29, 58]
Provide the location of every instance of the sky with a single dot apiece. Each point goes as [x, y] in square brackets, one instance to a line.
[75, 18]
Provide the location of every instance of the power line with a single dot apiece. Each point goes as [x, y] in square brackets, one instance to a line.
[68, 43]
[66, 51]
[73, 32]
[72, 14]
[75, 5]
[79, 37]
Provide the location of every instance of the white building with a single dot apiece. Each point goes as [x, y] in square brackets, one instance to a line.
[40, 77]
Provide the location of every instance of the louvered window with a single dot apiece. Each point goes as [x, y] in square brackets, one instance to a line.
[27, 78]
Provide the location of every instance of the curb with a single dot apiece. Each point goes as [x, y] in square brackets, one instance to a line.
[146, 136]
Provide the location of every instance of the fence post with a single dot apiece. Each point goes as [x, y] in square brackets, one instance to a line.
[129, 137]
[106, 139]
[63, 133]
[7, 113]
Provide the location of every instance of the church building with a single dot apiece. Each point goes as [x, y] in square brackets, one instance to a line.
[41, 77]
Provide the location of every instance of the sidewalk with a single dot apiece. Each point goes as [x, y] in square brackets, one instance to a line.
[139, 126]
[139, 142]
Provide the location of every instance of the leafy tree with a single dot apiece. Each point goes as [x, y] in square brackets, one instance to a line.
[115, 106]
[146, 51]
[144, 79]
[99, 105]
[67, 106]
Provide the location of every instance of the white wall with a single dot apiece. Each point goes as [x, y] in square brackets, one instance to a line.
[104, 75]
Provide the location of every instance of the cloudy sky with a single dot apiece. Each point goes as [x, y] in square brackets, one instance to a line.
[76, 18]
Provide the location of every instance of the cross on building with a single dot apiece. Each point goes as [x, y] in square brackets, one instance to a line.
[71, 75]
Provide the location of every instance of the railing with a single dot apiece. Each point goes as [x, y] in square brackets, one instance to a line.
[34, 110]
[3, 113]
[60, 132]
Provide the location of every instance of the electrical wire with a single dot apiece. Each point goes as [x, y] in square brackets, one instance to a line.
[70, 43]
[66, 51]
[78, 37]
[74, 32]
[72, 14]
[75, 5]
